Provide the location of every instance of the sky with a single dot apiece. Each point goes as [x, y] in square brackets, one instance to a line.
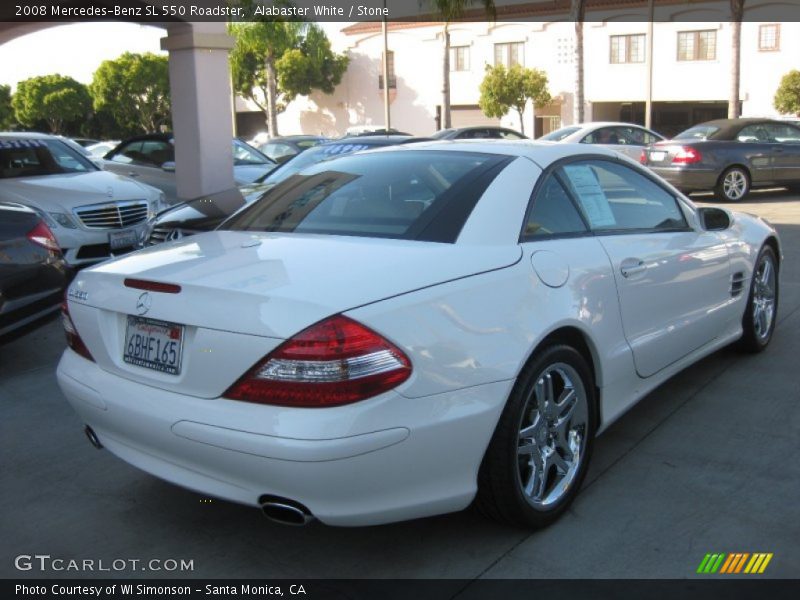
[77, 50]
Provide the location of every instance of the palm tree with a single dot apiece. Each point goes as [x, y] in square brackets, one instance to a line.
[737, 12]
[577, 14]
[449, 11]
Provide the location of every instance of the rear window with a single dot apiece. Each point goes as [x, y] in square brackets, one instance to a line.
[415, 194]
[29, 158]
[699, 132]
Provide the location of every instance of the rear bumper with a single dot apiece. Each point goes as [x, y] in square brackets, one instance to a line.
[688, 179]
[347, 465]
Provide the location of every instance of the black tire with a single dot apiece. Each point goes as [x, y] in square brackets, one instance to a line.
[755, 334]
[733, 185]
[501, 491]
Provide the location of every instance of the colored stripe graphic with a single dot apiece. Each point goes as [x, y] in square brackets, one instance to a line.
[714, 563]
[728, 564]
[734, 563]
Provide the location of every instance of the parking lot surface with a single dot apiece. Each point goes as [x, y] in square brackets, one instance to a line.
[706, 463]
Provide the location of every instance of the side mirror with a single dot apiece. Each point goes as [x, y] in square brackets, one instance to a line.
[168, 166]
[714, 219]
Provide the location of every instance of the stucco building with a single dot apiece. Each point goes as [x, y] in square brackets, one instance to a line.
[691, 61]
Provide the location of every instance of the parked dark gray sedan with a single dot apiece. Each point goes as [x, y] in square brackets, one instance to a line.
[729, 156]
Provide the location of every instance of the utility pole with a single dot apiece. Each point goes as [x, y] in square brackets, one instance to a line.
[386, 117]
[648, 102]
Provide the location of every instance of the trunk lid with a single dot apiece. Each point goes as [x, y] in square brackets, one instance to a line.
[242, 293]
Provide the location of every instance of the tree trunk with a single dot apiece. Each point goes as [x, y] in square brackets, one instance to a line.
[446, 79]
[577, 13]
[272, 93]
[737, 10]
[521, 120]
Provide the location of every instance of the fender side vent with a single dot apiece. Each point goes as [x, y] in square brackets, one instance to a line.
[737, 283]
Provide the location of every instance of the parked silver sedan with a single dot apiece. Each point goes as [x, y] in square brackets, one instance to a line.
[627, 138]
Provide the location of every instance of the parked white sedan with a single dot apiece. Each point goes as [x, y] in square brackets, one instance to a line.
[627, 138]
[398, 333]
[92, 213]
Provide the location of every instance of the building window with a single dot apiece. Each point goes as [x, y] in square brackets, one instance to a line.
[390, 65]
[769, 37]
[565, 50]
[697, 45]
[627, 49]
[508, 54]
[459, 58]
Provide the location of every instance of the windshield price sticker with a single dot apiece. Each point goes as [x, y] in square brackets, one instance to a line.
[591, 196]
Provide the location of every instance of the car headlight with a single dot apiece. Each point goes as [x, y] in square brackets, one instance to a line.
[63, 219]
[159, 204]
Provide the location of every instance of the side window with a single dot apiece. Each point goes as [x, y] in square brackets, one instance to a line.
[510, 135]
[277, 150]
[553, 212]
[783, 134]
[614, 197]
[753, 133]
[156, 152]
[606, 135]
[635, 136]
[129, 153]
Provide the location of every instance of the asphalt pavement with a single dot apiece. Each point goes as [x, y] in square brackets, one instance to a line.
[707, 463]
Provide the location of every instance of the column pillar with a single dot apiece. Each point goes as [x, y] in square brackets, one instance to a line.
[202, 118]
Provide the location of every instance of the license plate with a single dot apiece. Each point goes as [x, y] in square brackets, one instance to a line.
[657, 156]
[152, 344]
[123, 239]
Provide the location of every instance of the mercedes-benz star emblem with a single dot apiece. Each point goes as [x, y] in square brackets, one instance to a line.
[175, 234]
[143, 303]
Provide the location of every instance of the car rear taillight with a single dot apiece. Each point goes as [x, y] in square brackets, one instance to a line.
[74, 340]
[337, 361]
[686, 155]
[643, 157]
[42, 236]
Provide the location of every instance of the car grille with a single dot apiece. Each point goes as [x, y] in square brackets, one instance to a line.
[168, 234]
[116, 215]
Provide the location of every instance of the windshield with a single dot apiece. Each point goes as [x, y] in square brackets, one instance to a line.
[310, 157]
[698, 132]
[559, 134]
[247, 155]
[383, 194]
[29, 158]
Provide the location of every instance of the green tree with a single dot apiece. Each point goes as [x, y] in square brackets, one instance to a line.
[55, 99]
[503, 89]
[134, 90]
[787, 98]
[6, 110]
[274, 60]
[449, 11]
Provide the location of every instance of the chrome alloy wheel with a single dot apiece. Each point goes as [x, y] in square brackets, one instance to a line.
[734, 185]
[764, 297]
[552, 435]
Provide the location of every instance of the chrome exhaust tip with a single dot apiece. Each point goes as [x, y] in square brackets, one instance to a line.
[285, 511]
[92, 437]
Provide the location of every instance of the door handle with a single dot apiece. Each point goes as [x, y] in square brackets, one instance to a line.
[632, 266]
[132, 174]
